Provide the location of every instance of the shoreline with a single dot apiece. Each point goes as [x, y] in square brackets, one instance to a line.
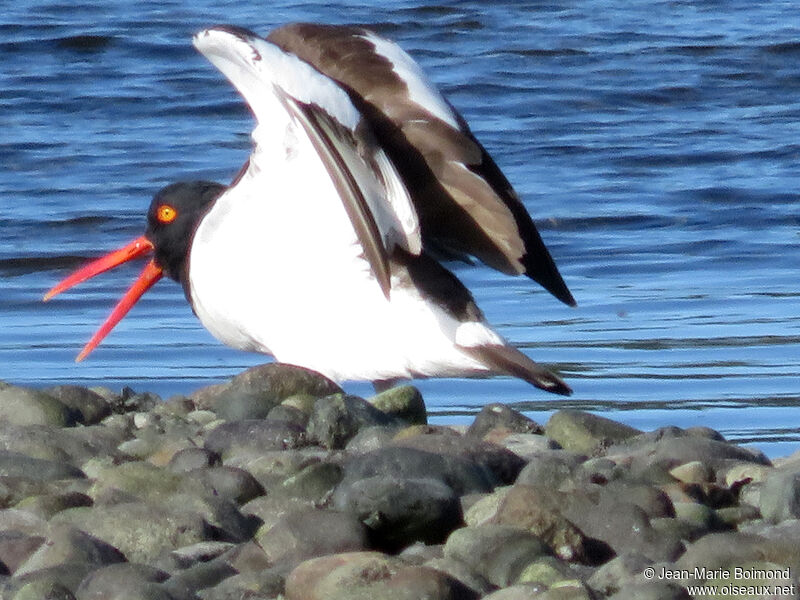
[276, 484]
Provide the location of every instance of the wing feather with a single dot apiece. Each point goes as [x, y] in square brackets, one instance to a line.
[453, 181]
[274, 82]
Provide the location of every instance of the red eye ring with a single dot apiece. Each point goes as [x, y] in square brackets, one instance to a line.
[166, 213]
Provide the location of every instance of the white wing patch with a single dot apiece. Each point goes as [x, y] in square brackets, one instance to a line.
[288, 96]
[420, 90]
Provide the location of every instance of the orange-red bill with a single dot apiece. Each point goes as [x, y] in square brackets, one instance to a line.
[147, 278]
[137, 247]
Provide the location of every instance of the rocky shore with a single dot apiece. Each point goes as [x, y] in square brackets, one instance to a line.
[278, 485]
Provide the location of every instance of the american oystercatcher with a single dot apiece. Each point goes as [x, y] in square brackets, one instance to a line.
[323, 250]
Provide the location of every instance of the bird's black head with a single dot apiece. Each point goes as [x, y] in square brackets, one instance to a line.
[172, 220]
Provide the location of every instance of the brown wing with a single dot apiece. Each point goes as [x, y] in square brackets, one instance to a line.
[463, 200]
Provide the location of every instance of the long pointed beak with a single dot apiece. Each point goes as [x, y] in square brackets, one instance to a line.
[148, 277]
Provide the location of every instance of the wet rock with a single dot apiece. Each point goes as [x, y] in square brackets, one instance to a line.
[585, 433]
[90, 407]
[399, 512]
[260, 388]
[367, 575]
[309, 533]
[499, 415]
[337, 419]
[499, 553]
[461, 475]
[403, 403]
[26, 406]
[253, 437]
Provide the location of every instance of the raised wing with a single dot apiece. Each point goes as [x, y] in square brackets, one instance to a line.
[279, 87]
[463, 200]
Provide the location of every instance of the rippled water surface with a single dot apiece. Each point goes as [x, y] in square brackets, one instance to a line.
[656, 143]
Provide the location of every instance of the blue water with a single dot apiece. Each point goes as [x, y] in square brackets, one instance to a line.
[657, 143]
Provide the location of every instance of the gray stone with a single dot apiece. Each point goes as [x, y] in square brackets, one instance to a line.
[238, 437]
[141, 531]
[780, 496]
[618, 572]
[404, 403]
[501, 464]
[26, 406]
[266, 385]
[499, 553]
[586, 433]
[316, 482]
[13, 464]
[188, 459]
[337, 419]
[122, 581]
[620, 524]
[538, 510]
[200, 576]
[551, 469]
[651, 590]
[462, 475]
[399, 512]
[370, 575]
[288, 414]
[496, 415]
[70, 545]
[90, 407]
[230, 483]
[46, 505]
[309, 533]
[16, 547]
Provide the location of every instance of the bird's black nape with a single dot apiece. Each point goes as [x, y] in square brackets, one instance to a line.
[173, 217]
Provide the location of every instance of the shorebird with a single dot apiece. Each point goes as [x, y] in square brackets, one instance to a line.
[324, 250]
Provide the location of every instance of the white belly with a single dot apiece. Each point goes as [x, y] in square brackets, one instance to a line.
[278, 269]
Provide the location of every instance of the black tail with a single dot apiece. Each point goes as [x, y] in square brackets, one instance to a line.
[507, 359]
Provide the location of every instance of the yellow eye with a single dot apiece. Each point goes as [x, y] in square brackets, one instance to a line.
[166, 213]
